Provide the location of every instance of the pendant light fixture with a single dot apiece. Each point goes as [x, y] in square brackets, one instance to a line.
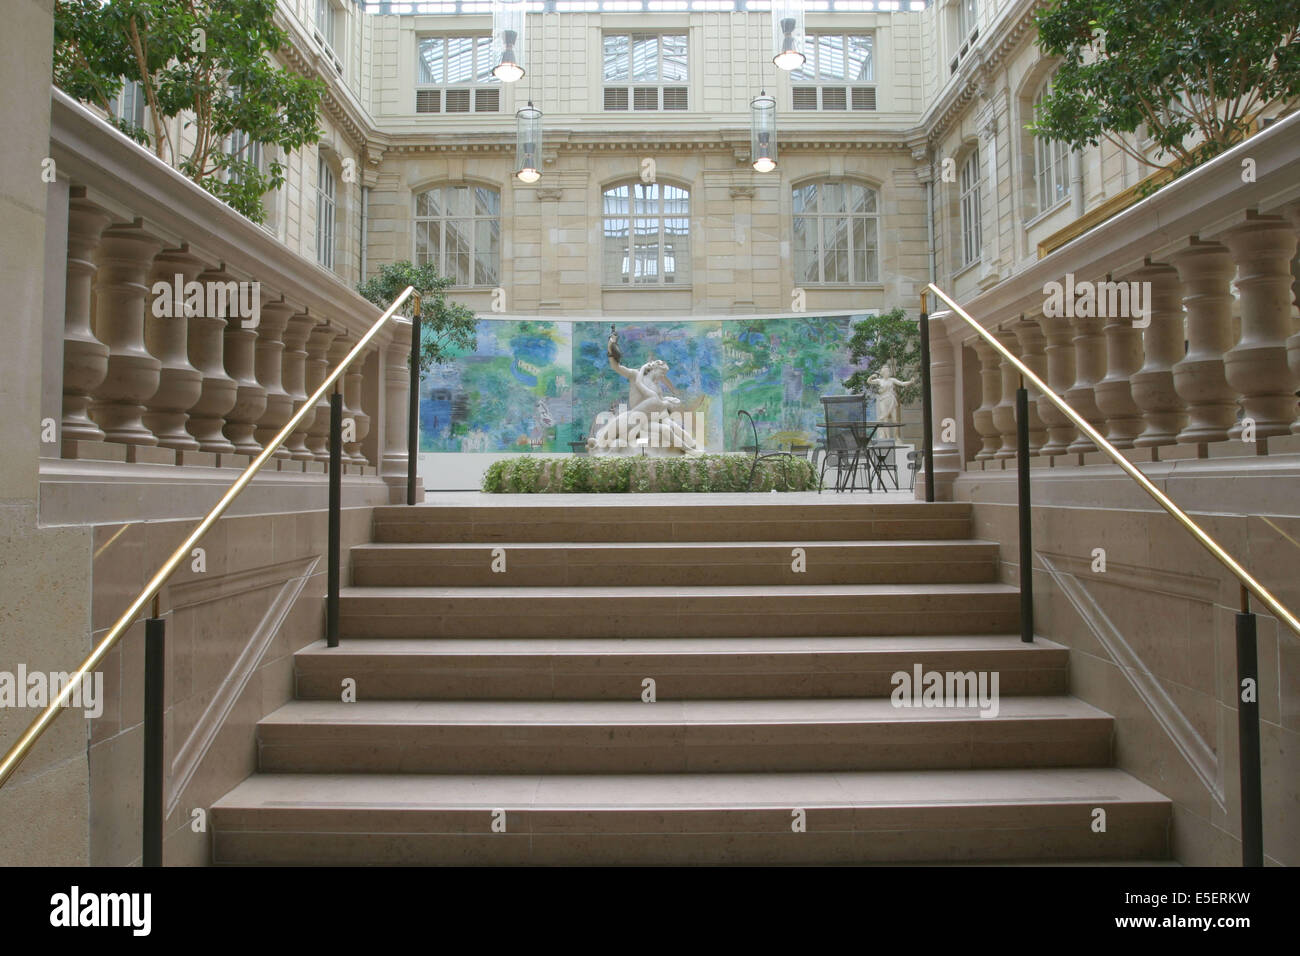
[787, 34]
[508, 40]
[762, 135]
[528, 148]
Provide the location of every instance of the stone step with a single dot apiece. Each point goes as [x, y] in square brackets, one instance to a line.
[682, 667]
[880, 817]
[691, 518]
[715, 611]
[702, 736]
[610, 564]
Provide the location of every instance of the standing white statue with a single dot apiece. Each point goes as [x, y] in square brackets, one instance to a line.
[651, 422]
[887, 408]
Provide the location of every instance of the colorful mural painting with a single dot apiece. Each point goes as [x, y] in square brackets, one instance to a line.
[534, 385]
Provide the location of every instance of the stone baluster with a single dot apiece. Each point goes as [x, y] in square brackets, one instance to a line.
[1089, 369]
[943, 393]
[250, 395]
[206, 346]
[1163, 412]
[1114, 391]
[125, 255]
[295, 364]
[354, 380]
[85, 358]
[268, 362]
[1061, 432]
[397, 372]
[1004, 412]
[337, 353]
[1031, 340]
[1257, 365]
[165, 336]
[318, 343]
[1205, 269]
[990, 395]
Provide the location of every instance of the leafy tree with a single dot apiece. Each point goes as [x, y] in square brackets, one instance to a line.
[207, 61]
[890, 339]
[447, 329]
[1197, 73]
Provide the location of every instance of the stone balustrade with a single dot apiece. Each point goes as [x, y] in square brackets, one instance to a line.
[1203, 363]
[190, 335]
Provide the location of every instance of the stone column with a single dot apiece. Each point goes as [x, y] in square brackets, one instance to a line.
[85, 358]
[352, 403]
[1205, 269]
[943, 394]
[1089, 369]
[397, 377]
[180, 384]
[990, 395]
[250, 396]
[295, 359]
[1061, 432]
[337, 353]
[1257, 365]
[125, 255]
[206, 348]
[318, 343]
[1114, 392]
[1004, 412]
[1031, 341]
[1163, 412]
[268, 362]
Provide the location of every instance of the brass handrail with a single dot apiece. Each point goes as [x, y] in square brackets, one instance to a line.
[1243, 576]
[25, 743]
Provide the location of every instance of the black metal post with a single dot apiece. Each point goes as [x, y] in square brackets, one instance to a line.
[1252, 811]
[413, 413]
[335, 507]
[927, 406]
[1026, 516]
[155, 665]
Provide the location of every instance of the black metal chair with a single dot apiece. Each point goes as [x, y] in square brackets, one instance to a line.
[841, 445]
[759, 454]
[884, 461]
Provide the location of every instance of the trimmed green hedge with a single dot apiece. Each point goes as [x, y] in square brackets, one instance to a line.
[621, 474]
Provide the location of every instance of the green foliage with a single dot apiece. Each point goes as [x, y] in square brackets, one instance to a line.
[1197, 73]
[622, 474]
[447, 329]
[890, 339]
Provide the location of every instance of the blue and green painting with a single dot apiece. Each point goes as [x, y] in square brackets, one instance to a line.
[535, 385]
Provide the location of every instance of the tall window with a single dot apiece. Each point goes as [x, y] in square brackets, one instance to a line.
[836, 234]
[972, 230]
[128, 106]
[325, 213]
[838, 74]
[966, 30]
[458, 230]
[647, 234]
[1051, 170]
[454, 75]
[646, 71]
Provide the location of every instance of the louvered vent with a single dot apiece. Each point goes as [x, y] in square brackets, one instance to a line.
[834, 98]
[805, 97]
[457, 101]
[675, 97]
[615, 98]
[487, 101]
[645, 98]
[428, 101]
[864, 97]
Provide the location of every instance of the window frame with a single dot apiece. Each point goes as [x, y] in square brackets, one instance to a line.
[846, 85]
[1051, 163]
[326, 202]
[660, 85]
[966, 30]
[819, 218]
[682, 277]
[440, 260]
[971, 209]
[481, 78]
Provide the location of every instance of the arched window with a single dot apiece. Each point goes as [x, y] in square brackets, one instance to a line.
[458, 230]
[972, 226]
[647, 234]
[1051, 165]
[836, 234]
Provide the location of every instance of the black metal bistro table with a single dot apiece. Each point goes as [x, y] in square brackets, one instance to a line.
[862, 431]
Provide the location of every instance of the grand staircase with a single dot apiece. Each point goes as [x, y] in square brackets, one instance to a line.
[656, 683]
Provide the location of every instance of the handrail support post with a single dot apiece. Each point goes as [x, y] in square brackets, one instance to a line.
[1025, 512]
